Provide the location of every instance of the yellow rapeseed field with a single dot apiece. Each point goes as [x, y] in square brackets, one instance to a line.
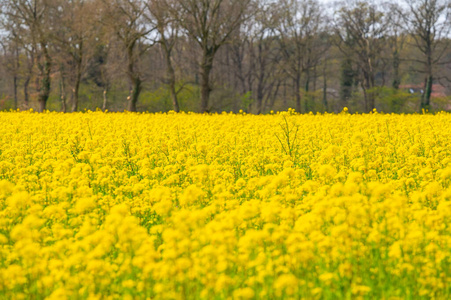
[186, 206]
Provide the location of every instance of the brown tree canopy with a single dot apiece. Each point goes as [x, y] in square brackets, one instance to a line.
[222, 55]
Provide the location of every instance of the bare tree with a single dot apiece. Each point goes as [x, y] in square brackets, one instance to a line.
[210, 24]
[11, 62]
[317, 43]
[252, 57]
[299, 22]
[30, 62]
[167, 28]
[428, 22]
[105, 63]
[396, 41]
[240, 63]
[361, 30]
[265, 54]
[34, 17]
[74, 39]
[126, 19]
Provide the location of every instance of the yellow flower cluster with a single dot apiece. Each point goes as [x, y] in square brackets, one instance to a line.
[188, 206]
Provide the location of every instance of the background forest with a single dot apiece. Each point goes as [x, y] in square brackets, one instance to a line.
[225, 55]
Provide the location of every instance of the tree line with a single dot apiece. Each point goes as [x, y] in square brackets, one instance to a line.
[225, 55]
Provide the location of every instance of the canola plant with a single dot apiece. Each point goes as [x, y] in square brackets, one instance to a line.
[225, 206]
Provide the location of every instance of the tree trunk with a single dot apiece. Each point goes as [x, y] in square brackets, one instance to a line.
[274, 97]
[76, 89]
[17, 67]
[205, 69]
[347, 81]
[365, 96]
[75, 97]
[44, 84]
[171, 82]
[15, 91]
[30, 64]
[42, 104]
[297, 90]
[325, 85]
[62, 94]
[315, 77]
[25, 92]
[134, 78]
[238, 74]
[371, 95]
[396, 62]
[371, 101]
[104, 99]
[368, 91]
[307, 89]
[261, 76]
[426, 98]
[260, 96]
[135, 92]
[79, 66]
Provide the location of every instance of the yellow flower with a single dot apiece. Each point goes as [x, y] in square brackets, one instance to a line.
[215, 206]
[395, 250]
[191, 195]
[19, 200]
[85, 204]
[244, 293]
[287, 283]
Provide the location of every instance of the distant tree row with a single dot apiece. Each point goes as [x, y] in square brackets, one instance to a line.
[217, 55]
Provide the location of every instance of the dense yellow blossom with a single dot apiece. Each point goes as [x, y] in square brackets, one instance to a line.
[188, 206]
